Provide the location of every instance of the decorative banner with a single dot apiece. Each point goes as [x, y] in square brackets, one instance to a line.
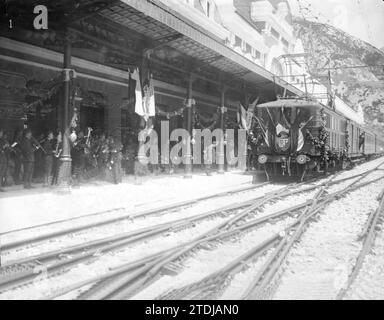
[186, 103]
[213, 121]
[138, 93]
[171, 114]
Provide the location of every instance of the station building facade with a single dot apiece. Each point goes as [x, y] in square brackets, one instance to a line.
[184, 41]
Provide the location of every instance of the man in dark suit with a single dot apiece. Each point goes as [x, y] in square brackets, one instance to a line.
[28, 149]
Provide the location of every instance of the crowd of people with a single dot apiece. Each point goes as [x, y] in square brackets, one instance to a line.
[24, 158]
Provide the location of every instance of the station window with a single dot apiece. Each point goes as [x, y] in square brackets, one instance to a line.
[237, 41]
[275, 33]
[260, 26]
[248, 48]
[285, 42]
[243, 46]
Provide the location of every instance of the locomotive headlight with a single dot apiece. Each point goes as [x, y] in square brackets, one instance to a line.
[263, 159]
[301, 159]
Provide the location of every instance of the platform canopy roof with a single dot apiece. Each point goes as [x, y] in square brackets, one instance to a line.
[163, 25]
[291, 103]
[133, 27]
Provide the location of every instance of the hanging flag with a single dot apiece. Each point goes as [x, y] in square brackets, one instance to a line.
[300, 142]
[148, 90]
[301, 139]
[138, 93]
[149, 99]
[242, 117]
[264, 131]
[266, 137]
[251, 112]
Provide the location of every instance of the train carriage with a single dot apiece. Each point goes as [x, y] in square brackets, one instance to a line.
[297, 135]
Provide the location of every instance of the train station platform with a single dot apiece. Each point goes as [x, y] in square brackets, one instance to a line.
[21, 209]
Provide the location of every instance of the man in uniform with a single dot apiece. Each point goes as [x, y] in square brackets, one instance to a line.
[48, 157]
[78, 156]
[209, 156]
[28, 152]
[56, 159]
[115, 157]
[17, 155]
[4, 146]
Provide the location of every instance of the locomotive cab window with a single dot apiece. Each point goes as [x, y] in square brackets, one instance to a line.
[284, 127]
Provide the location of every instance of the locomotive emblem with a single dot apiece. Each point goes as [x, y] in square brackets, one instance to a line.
[283, 141]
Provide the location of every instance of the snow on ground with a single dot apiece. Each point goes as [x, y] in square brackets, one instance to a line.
[319, 264]
[128, 225]
[27, 208]
[369, 284]
[240, 281]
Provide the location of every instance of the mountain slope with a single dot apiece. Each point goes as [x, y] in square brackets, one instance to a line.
[330, 49]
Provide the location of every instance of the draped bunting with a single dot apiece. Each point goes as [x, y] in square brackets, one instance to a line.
[242, 117]
[53, 86]
[171, 114]
[321, 142]
[203, 122]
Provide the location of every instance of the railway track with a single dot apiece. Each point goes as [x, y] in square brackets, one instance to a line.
[109, 284]
[278, 246]
[24, 270]
[125, 285]
[147, 213]
[265, 282]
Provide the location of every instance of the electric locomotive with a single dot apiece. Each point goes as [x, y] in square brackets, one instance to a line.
[297, 135]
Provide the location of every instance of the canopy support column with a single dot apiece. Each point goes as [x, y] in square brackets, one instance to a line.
[188, 127]
[223, 110]
[64, 178]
